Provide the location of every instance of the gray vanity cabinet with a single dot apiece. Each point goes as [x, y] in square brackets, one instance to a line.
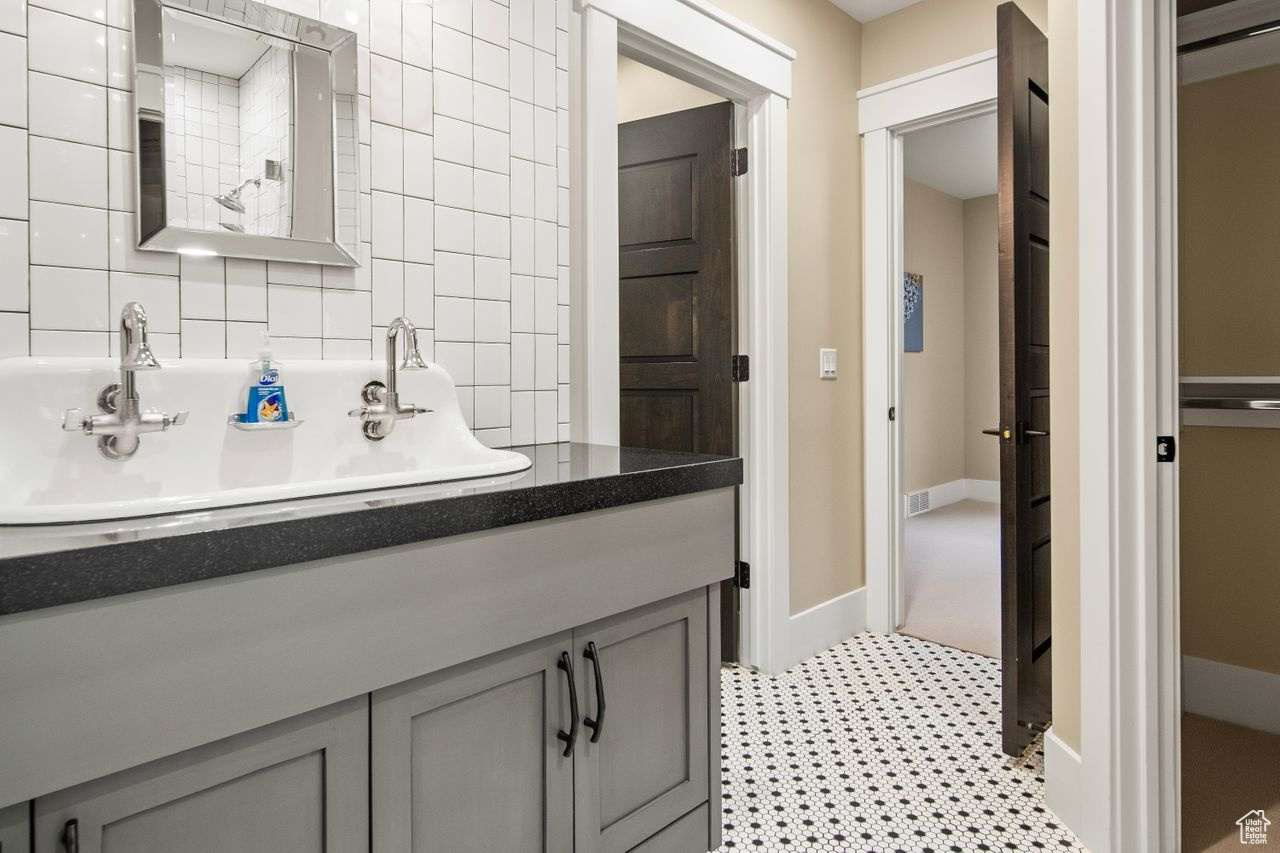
[468, 760]
[647, 766]
[15, 829]
[301, 785]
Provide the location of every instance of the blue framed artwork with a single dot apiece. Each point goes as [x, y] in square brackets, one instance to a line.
[913, 313]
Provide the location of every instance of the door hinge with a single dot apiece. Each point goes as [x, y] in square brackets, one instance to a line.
[1166, 448]
[738, 162]
[742, 574]
[741, 368]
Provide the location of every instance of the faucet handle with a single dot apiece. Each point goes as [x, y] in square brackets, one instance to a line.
[73, 420]
[175, 420]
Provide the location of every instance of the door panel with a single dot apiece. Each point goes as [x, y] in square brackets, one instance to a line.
[1026, 566]
[660, 317]
[677, 293]
[686, 835]
[468, 759]
[662, 420]
[15, 828]
[662, 201]
[676, 287]
[300, 785]
[650, 765]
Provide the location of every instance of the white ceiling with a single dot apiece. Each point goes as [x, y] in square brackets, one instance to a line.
[868, 10]
[203, 44]
[958, 158]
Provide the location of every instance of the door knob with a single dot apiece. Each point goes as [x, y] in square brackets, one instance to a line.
[998, 433]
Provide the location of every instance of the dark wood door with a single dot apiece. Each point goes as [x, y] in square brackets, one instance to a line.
[1026, 647]
[677, 292]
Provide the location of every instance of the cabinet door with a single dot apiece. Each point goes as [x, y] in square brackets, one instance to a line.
[649, 764]
[15, 829]
[300, 785]
[467, 760]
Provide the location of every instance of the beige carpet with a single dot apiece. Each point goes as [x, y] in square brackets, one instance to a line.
[951, 569]
[1227, 771]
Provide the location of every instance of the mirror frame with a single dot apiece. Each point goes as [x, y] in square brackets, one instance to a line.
[153, 231]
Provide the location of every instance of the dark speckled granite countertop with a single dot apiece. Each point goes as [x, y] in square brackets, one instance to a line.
[50, 565]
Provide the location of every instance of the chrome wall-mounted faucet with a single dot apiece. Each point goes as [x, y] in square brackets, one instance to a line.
[122, 420]
[382, 401]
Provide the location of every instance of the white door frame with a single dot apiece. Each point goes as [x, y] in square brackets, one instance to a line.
[697, 42]
[1130, 677]
[951, 92]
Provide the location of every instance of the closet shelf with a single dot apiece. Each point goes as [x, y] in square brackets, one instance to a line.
[1241, 401]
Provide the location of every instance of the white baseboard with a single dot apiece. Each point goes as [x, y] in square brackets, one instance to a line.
[944, 494]
[986, 491]
[1063, 778]
[825, 625]
[1246, 697]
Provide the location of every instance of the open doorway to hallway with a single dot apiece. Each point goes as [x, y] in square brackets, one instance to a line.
[951, 386]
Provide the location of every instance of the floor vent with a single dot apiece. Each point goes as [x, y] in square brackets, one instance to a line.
[917, 502]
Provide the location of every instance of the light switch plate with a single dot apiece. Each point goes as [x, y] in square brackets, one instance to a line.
[826, 364]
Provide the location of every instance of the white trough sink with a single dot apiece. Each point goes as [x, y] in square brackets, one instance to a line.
[50, 476]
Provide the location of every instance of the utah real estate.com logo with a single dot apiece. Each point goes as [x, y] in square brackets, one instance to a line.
[1253, 827]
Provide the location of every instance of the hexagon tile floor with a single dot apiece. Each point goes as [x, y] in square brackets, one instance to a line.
[883, 743]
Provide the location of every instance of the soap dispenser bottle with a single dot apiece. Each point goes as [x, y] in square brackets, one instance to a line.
[265, 399]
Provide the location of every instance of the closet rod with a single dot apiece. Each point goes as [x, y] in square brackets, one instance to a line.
[1228, 38]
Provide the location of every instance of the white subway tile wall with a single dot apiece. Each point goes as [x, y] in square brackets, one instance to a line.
[462, 125]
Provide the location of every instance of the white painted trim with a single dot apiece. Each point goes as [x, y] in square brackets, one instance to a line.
[827, 624]
[936, 96]
[1062, 779]
[707, 37]
[943, 494]
[881, 206]
[985, 491]
[1246, 697]
[697, 42]
[937, 91]
[1128, 395]
[593, 360]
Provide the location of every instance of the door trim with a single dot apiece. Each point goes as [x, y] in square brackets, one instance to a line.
[940, 95]
[696, 42]
[1129, 691]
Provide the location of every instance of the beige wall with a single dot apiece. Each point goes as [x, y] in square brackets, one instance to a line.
[933, 32]
[981, 337]
[1228, 207]
[645, 92]
[825, 292]
[825, 286]
[1064, 371]
[933, 387]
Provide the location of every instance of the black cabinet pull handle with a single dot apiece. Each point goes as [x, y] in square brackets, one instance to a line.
[71, 836]
[565, 665]
[592, 654]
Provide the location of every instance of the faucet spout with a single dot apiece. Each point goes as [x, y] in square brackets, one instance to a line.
[382, 400]
[122, 420]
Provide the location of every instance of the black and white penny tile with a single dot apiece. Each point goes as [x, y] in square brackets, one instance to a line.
[882, 743]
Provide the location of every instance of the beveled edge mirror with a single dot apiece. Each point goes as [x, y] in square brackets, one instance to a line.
[322, 164]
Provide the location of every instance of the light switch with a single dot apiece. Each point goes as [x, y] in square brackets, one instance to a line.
[826, 364]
